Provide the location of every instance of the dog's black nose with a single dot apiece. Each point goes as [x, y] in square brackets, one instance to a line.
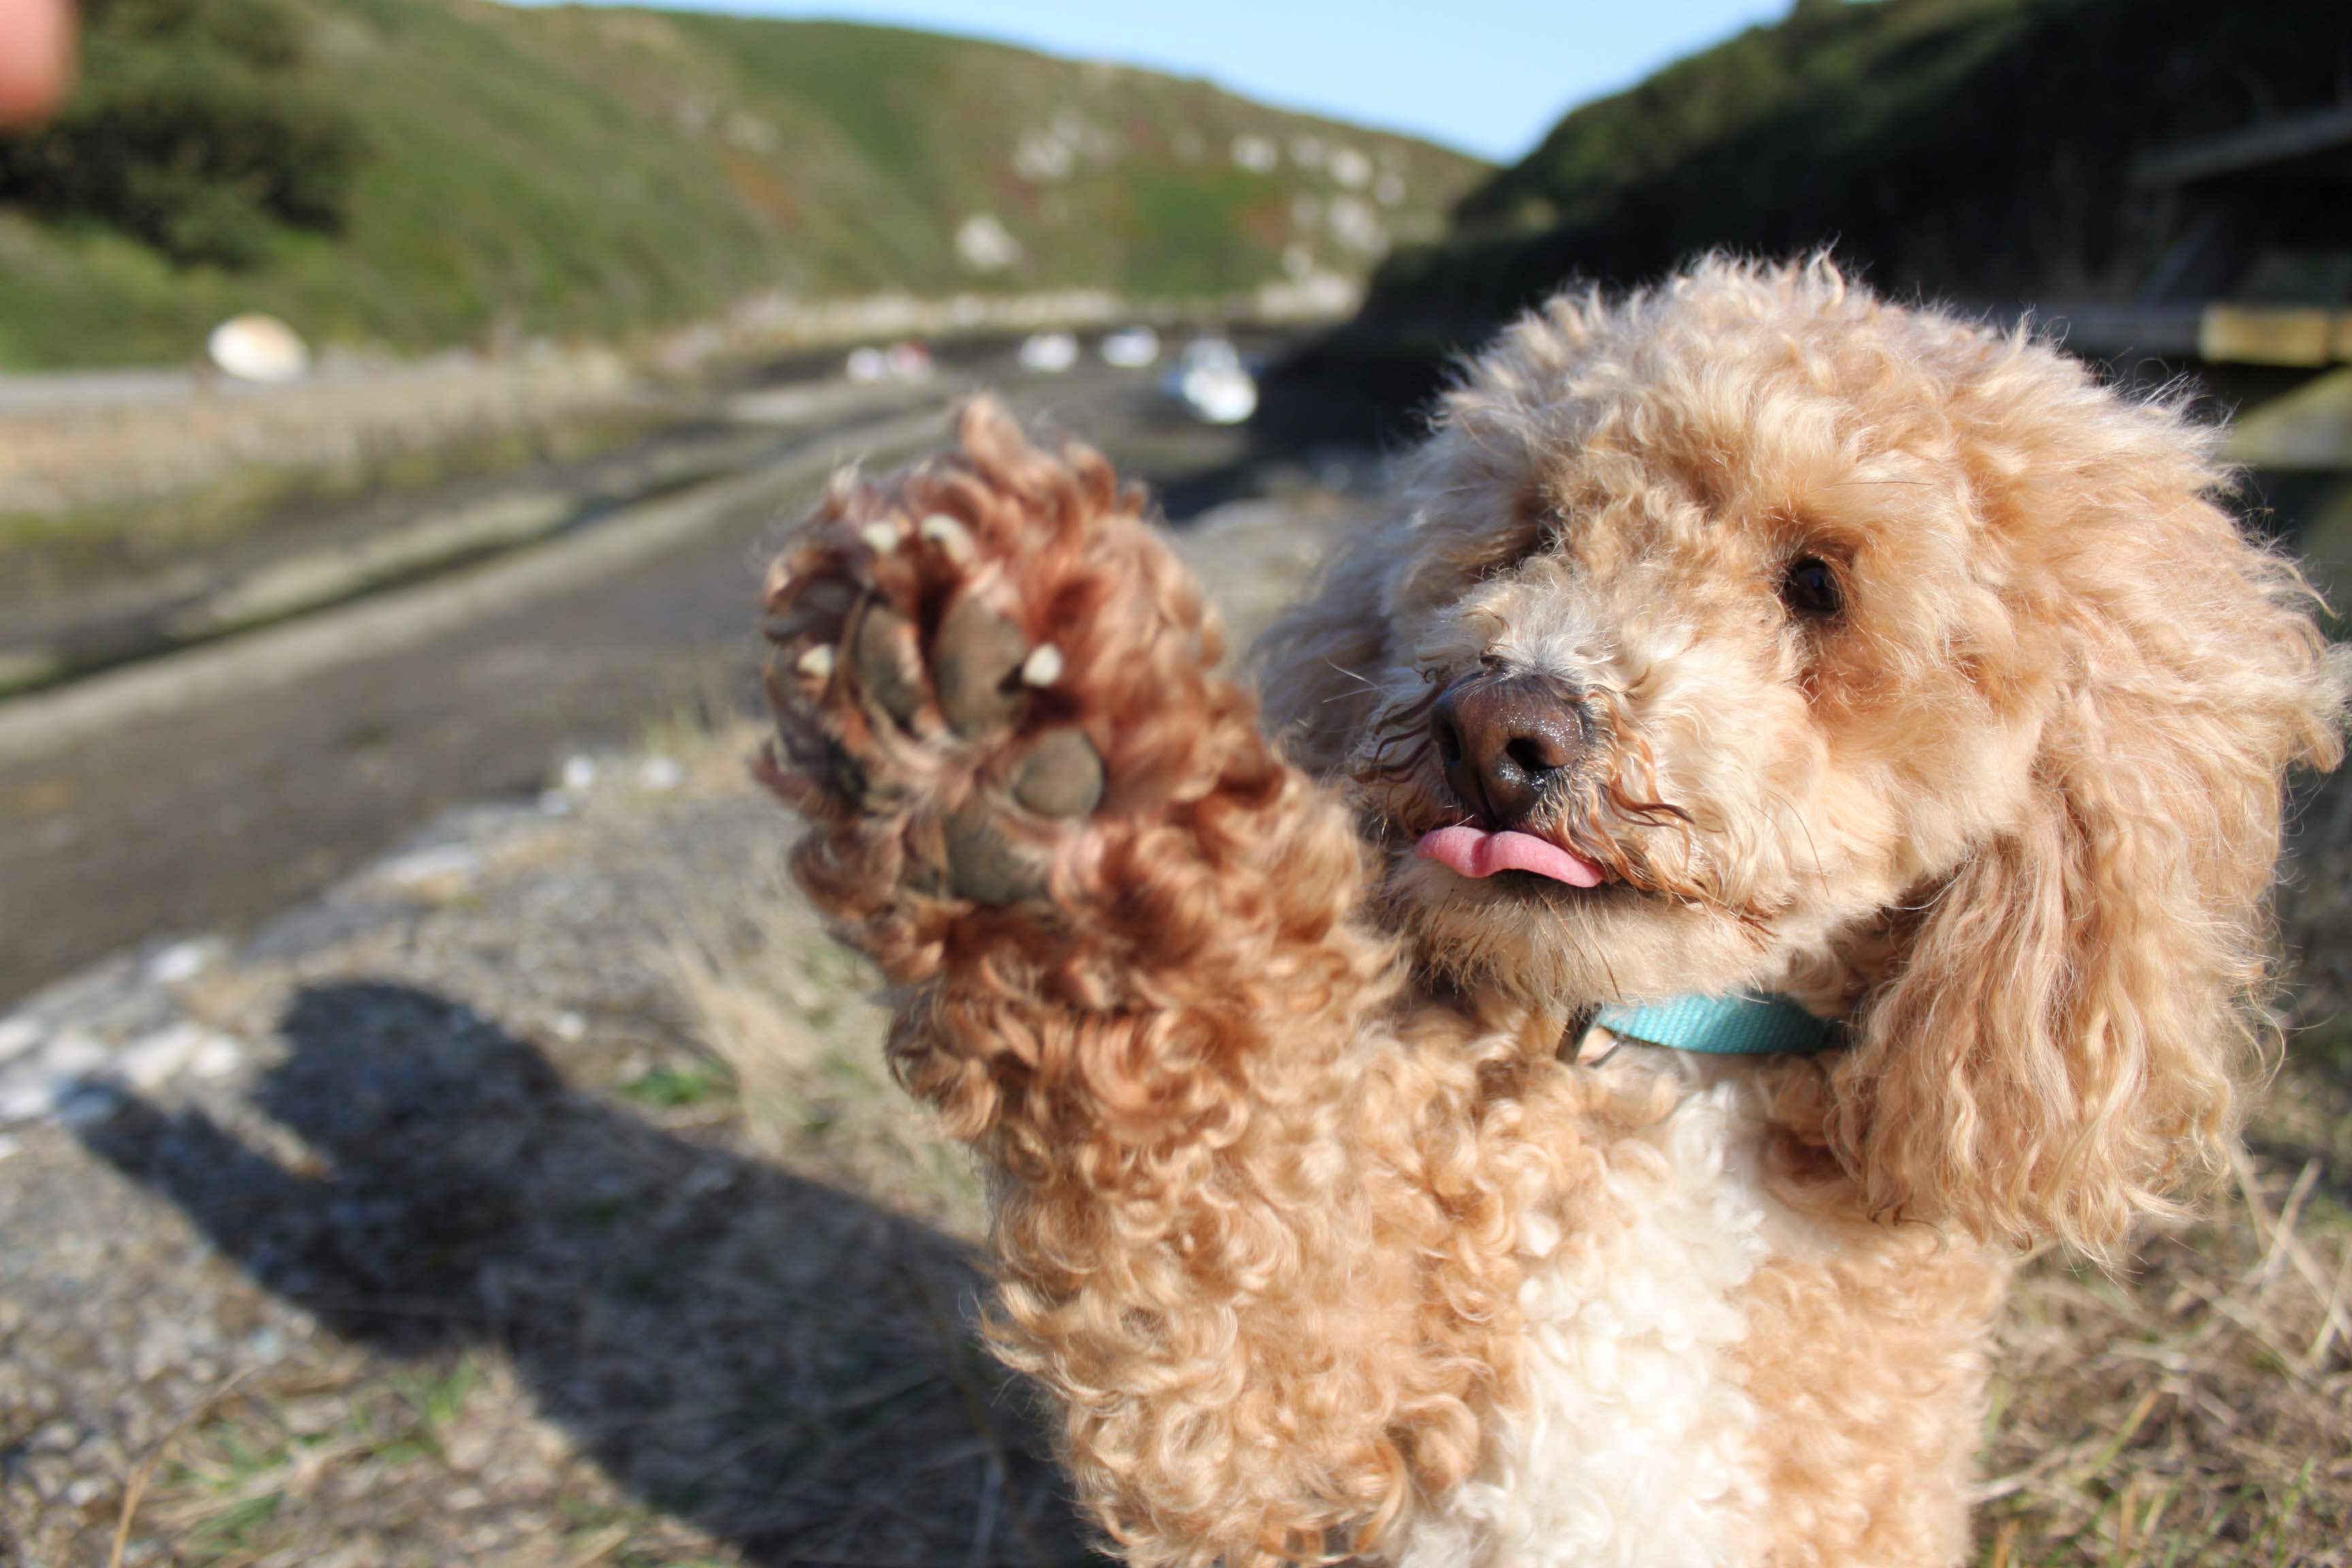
[1503, 739]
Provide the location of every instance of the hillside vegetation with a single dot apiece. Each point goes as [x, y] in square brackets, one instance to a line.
[415, 172]
[1971, 149]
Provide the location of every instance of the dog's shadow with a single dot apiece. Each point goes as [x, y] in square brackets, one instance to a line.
[779, 1363]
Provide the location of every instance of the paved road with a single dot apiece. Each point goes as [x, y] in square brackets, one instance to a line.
[220, 802]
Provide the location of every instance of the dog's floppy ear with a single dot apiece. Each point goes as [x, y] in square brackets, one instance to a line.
[2054, 1052]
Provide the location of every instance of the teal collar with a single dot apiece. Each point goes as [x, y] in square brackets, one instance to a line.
[1722, 1026]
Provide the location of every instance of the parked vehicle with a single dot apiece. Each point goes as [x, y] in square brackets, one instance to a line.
[1131, 348]
[1049, 353]
[1211, 382]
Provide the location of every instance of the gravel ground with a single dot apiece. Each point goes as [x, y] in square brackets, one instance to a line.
[536, 1198]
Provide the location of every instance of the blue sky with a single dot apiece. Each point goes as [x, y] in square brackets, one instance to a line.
[1486, 76]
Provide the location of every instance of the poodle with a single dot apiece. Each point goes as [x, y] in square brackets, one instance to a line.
[1775, 822]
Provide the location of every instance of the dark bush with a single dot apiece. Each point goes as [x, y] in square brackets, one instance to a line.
[194, 129]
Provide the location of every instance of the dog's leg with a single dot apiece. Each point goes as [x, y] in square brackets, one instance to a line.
[1236, 1221]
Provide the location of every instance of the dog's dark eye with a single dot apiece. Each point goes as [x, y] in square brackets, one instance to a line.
[1810, 588]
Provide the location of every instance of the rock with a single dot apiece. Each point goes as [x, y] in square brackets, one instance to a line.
[72, 1053]
[443, 863]
[18, 1034]
[155, 1059]
[183, 960]
[26, 1097]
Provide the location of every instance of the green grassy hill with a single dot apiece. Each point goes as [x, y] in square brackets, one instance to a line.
[1970, 150]
[575, 171]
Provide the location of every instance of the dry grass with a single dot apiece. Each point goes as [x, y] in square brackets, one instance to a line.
[797, 1020]
[2197, 1410]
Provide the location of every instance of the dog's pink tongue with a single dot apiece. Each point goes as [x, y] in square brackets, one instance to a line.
[1474, 852]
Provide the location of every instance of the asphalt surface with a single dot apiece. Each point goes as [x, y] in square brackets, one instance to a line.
[206, 808]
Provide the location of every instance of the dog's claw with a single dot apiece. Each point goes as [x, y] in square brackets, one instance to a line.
[978, 653]
[1062, 776]
[983, 865]
[953, 539]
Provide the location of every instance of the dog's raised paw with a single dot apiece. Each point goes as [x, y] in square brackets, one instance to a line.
[910, 695]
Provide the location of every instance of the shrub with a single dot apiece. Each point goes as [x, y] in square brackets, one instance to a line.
[194, 129]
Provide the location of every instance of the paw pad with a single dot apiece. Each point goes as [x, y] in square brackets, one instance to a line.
[888, 667]
[983, 865]
[978, 653]
[1062, 776]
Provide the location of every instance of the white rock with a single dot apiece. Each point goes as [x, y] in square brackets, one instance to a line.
[9, 1145]
[568, 1025]
[181, 961]
[661, 772]
[218, 1056]
[983, 244]
[1356, 223]
[17, 1035]
[151, 1060]
[154, 1060]
[579, 775]
[26, 1097]
[1043, 157]
[73, 1052]
[443, 862]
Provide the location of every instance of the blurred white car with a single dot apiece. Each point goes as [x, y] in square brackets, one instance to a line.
[1051, 353]
[1212, 383]
[1131, 348]
[899, 362]
[910, 362]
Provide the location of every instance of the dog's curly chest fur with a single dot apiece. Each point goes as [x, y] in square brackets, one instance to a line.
[1656, 1421]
